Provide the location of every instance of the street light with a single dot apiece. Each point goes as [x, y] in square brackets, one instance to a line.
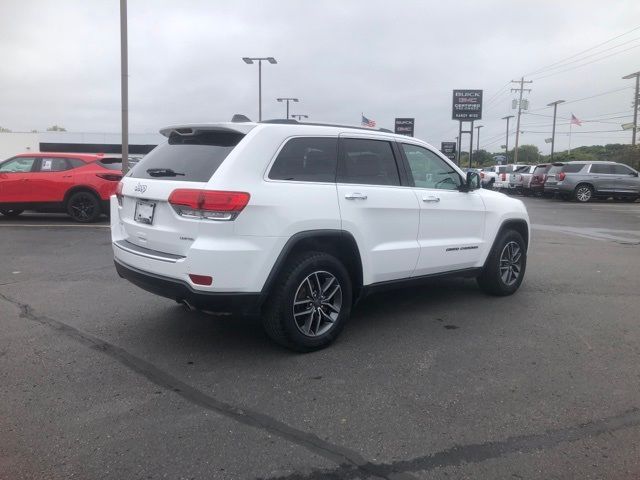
[506, 142]
[636, 99]
[250, 61]
[299, 116]
[553, 130]
[288, 99]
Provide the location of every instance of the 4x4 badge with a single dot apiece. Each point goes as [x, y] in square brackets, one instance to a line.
[140, 188]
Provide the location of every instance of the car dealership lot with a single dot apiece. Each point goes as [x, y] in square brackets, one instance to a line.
[99, 379]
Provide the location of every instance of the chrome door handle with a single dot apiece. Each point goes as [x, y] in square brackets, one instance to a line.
[355, 196]
[431, 198]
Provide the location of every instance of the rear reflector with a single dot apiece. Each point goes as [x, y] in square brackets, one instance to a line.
[208, 204]
[201, 279]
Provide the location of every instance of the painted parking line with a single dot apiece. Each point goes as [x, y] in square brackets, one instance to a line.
[603, 234]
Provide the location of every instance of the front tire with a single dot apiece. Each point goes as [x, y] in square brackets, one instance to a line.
[505, 267]
[11, 212]
[84, 207]
[310, 303]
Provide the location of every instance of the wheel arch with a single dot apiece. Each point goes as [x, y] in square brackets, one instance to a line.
[338, 243]
[76, 189]
[519, 225]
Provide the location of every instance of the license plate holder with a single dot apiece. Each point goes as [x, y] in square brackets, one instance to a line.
[144, 212]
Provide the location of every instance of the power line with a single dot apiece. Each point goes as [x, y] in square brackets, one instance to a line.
[583, 51]
[589, 56]
[588, 63]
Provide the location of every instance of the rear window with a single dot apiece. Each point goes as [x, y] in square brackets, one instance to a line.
[572, 167]
[502, 169]
[190, 158]
[111, 163]
[522, 169]
[307, 160]
[541, 169]
[555, 169]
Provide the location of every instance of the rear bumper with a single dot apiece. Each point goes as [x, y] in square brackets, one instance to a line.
[227, 302]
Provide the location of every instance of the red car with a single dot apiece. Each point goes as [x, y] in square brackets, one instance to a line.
[79, 184]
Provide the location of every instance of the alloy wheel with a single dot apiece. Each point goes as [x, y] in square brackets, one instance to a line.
[510, 263]
[317, 303]
[83, 207]
[583, 194]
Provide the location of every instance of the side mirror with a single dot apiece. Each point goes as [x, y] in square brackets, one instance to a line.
[473, 181]
[634, 174]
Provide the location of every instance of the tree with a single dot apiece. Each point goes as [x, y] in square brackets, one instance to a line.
[527, 154]
[482, 158]
[56, 128]
[4, 130]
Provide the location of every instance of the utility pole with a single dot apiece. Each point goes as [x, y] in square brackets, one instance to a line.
[287, 99]
[522, 81]
[553, 130]
[478, 140]
[636, 99]
[506, 141]
[124, 86]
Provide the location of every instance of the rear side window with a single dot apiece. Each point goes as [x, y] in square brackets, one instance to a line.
[368, 162]
[572, 167]
[111, 163]
[522, 169]
[54, 164]
[309, 159]
[191, 158]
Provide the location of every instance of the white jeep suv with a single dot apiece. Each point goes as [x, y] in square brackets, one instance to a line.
[296, 221]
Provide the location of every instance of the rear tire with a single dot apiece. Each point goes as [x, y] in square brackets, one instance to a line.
[629, 199]
[11, 212]
[583, 193]
[505, 267]
[84, 207]
[310, 302]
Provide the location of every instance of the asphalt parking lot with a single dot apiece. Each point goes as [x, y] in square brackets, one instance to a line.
[99, 379]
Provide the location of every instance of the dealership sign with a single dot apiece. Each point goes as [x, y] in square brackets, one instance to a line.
[404, 126]
[449, 149]
[467, 105]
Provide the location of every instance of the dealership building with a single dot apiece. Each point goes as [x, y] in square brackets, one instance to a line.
[13, 143]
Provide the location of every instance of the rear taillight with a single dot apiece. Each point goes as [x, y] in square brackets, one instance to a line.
[208, 204]
[481, 174]
[561, 176]
[119, 193]
[112, 177]
[504, 177]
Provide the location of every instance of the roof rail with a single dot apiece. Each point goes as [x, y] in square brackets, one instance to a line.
[284, 121]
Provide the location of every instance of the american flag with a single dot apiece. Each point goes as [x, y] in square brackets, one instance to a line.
[575, 121]
[368, 123]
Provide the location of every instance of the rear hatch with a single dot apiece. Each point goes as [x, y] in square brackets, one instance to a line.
[185, 161]
[516, 176]
[552, 174]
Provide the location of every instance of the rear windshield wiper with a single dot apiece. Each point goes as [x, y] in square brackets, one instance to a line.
[163, 172]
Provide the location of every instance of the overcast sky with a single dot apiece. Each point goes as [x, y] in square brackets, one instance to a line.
[61, 63]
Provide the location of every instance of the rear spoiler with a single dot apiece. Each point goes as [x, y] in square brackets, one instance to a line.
[190, 130]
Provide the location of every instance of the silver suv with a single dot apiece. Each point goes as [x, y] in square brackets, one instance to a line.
[586, 180]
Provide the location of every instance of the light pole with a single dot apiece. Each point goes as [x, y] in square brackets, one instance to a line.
[636, 99]
[299, 116]
[124, 86]
[288, 99]
[458, 151]
[478, 141]
[553, 130]
[249, 61]
[506, 142]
